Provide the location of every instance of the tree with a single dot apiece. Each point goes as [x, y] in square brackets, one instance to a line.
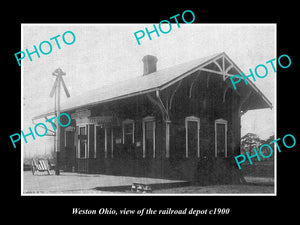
[271, 138]
[267, 141]
[250, 141]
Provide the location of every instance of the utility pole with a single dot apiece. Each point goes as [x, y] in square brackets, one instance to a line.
[56, 89]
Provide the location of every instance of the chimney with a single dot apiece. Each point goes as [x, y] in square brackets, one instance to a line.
[149, 64]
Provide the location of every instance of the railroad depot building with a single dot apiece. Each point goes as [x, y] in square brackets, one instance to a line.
[181, 122]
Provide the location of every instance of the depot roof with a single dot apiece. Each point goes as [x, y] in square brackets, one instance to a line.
[161, 79]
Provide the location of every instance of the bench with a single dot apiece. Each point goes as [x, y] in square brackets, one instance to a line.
[41, 165]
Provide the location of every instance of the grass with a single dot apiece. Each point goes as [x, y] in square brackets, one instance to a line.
[258, 169]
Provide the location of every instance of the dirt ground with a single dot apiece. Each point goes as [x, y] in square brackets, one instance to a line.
[73, 183]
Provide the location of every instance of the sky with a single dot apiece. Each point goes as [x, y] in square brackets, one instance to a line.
[108, 53]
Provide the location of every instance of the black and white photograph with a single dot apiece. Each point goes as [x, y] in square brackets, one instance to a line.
[148, 109]
[149, 112]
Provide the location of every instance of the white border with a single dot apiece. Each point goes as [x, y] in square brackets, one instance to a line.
[22, 119]
[195, 24]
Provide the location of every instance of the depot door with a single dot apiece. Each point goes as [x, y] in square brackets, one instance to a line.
[100, 142]
[149, 139]
[192, 139]
[221, 138]
[70, 151]
[192, 144]
[82, 157]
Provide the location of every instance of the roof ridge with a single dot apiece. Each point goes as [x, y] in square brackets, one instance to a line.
[132, 86]
[158, 71]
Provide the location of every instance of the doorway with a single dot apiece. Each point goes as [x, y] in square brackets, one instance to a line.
[192, 131]
[70, 156]
[100, 142]
[82, 154]
[221, 138]
[149, 137]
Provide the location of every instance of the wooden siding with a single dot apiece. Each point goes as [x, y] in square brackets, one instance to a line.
[202, 95]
